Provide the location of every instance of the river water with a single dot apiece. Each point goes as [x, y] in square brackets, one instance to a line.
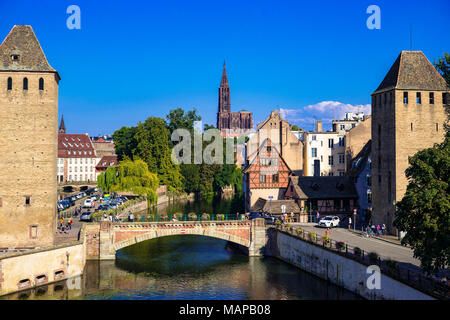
[188, 267]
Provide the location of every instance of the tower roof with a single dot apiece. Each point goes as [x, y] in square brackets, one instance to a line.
[224, 81]
[21, 51]
[62, 126]
[412, 71]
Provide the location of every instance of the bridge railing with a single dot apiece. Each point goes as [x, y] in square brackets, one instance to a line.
[179, 217]
[391, 268]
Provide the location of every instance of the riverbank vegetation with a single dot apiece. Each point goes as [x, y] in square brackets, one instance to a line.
[151, 142]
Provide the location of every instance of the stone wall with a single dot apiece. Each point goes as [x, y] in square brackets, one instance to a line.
[355, 140]
[36, 267]
[337, 269]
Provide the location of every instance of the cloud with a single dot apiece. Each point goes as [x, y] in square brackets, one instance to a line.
[326, 111]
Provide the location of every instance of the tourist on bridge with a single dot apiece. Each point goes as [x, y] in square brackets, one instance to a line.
[131, 217]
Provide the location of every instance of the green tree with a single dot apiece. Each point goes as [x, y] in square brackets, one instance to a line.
[131, 176]
[443, 66]
[125, 142]
[294, 127]
[424, 211]
[152, 138]
[177, 119]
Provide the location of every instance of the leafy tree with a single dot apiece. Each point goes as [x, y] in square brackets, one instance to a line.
[177, 119]
[132, 176]
[125, 142]
[294, 127]
[443, 66]
[424, 211]
[152, 138]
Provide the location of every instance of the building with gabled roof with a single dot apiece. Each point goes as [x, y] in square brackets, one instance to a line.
[28, 141]
[329, 195]
[408, 115]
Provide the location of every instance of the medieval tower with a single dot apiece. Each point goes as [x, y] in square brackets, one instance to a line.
[408, 115]
[28, 141]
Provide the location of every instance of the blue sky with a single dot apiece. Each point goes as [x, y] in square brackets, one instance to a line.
[135, 59]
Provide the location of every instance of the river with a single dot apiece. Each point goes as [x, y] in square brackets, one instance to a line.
[189, 267]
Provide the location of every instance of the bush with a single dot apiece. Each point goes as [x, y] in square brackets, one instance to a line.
[299, 231]
[220, 216]
[312, 236]
[357, 251]
[278, 222]
[326, 240]
[373, 256]
[340, 245]
[192, 216]
[178, 215]
[205, 216]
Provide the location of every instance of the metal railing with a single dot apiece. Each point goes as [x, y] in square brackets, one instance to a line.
[391, 268]
[180, 218]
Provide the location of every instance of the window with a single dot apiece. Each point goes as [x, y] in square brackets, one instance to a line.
[25, 83]
[41, 84]
[342, 126]
[437, 126]
[418, 98]
[341, 158]
[313, 137]
[1, 202]
[330, 143]
[341, 173]
[369, 197]
[269, 149]
[369, 181]
[33, 232]
[431, 97]
[262, 178]
[15, 57]
[9, 84]
[275, 178]
[445, 98]
[405, 97]
[411, 126]
[330, 160]
[27, 200]
[313, 152]
[341, 141]
[330, 174]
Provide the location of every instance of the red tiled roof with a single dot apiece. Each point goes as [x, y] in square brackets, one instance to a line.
[72, 145]
[106, 161]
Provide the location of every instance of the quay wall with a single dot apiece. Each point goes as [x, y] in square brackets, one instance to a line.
[335, 268]
[36, 267]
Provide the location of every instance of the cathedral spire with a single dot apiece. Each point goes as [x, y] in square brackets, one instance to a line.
[224, 81]
[62, 126]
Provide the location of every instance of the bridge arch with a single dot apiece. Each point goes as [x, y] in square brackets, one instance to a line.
[153, 235]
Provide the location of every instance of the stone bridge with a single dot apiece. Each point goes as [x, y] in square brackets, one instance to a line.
[104, 241]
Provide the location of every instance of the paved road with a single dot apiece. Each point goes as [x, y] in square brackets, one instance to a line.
[382, 248]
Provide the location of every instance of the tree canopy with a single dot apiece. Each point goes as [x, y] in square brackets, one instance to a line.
[131, 176]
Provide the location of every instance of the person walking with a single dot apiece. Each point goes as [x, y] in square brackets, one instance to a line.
[237, 215]
[317, 217]
[349, 222]
[131, 217]
[383, 229]
[378, 229]
[70, 224]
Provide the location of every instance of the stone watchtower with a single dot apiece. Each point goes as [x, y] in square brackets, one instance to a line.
[28, 141]
[408, 115]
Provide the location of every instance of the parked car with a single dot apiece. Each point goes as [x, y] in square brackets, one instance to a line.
[88, 203]
[86, 216]
[103, 207]
[329, 222]
[254, 215]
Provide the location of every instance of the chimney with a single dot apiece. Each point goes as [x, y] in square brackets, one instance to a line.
[319, 126]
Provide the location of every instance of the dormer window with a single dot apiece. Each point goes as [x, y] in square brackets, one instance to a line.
[15, 57]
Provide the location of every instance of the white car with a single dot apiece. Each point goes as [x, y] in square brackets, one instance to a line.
[89, 203]
[329, 222]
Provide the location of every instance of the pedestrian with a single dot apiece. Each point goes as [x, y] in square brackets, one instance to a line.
[66, 227]
[383, 229]
[237, 215]
[378, 229]
[70, 224]
[131, 217]
[110, 217]
[117, 218]
[349, 222]
[292, 216]
[317, 216]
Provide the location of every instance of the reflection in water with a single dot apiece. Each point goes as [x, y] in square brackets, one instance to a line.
[189, 267]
